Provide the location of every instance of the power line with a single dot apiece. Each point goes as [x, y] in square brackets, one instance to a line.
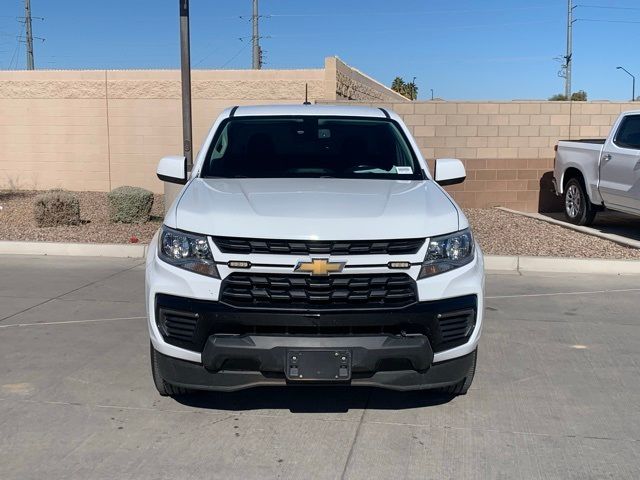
[211, 52]
[606, 7]
[235, 55]
[411, 13]
[604, 21]
[395, 30]
[14, 56]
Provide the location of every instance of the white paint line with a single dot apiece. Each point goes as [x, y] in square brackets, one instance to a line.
[70, 322]
[551, 294]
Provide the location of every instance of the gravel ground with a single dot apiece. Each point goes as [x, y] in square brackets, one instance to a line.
[17, 221]
[499, 233]
[504, 233]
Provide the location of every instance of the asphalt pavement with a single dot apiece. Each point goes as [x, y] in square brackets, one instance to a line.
[556, 393]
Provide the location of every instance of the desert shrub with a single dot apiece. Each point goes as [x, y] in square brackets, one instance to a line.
[130, 205]
[579, 96]
[56, 207]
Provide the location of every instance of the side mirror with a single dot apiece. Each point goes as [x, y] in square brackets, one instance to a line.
[449, 171]
[173, 169]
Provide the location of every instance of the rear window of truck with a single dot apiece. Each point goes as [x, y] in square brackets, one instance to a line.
[310, 147]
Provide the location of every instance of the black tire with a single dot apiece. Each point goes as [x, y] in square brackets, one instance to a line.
[577, 206]
[462, 387]
[164, 388]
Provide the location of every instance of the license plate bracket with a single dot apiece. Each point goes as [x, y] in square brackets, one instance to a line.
[318, 365]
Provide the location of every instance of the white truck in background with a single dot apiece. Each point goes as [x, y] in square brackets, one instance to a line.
[595, 174]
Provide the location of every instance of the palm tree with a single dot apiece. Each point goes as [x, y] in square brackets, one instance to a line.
[409, 90]
[398, 85]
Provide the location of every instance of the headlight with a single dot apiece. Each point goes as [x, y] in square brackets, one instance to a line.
[447, 252]
[188, 251]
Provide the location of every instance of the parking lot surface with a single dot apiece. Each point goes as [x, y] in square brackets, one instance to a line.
[556, 394]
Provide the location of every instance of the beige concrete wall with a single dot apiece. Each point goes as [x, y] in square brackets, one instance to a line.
[101, 129]
[97, 130]
[507, 147]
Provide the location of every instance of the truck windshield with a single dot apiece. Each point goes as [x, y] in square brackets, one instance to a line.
[310, 147]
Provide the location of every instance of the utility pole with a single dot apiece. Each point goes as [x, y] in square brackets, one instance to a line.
[27, 22]
[185, 69]
[568, 57]
[255, 39]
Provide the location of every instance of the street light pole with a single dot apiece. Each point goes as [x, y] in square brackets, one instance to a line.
[171, 190]
[633, 82]
[185, 69]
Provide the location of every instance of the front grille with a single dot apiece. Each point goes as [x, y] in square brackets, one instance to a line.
[309, 292]
[315, 247]
[188, 323]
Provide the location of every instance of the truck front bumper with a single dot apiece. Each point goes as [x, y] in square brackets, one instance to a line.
[241, 348]
[197, 376]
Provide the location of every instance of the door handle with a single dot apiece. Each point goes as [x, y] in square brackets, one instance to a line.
[606, 157]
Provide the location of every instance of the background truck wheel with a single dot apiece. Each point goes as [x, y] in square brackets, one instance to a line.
[577, 206]
[463, 385]
[164, 388]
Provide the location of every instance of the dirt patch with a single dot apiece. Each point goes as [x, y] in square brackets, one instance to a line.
[17, 221]
[504, 233]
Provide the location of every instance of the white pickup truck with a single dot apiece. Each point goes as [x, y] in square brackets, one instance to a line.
[595, 174]
[310, 244]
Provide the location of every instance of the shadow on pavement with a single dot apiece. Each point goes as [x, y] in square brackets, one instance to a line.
[314, 399]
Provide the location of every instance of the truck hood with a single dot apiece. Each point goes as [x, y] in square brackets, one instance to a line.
[316, 208]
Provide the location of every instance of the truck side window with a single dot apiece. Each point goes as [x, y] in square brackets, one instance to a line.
[628, 135]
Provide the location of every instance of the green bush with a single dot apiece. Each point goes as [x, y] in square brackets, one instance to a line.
[56, 207]
[130, 205]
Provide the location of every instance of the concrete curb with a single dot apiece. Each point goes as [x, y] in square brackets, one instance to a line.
[74, 249]
[612, 237]
[561, 265]
[491, 262]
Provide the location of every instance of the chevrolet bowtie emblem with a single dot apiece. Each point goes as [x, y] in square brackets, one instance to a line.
[319, 266]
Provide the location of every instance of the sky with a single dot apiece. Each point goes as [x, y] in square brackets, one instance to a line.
[463, 50]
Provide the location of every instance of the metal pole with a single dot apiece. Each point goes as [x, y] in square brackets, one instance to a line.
[27, 22]
[431, 93]
[185, 56]
[255, 38]
[568, 57]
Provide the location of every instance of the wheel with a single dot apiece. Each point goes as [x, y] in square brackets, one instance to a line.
[577, 206]
[164, 388]
[463, 385]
